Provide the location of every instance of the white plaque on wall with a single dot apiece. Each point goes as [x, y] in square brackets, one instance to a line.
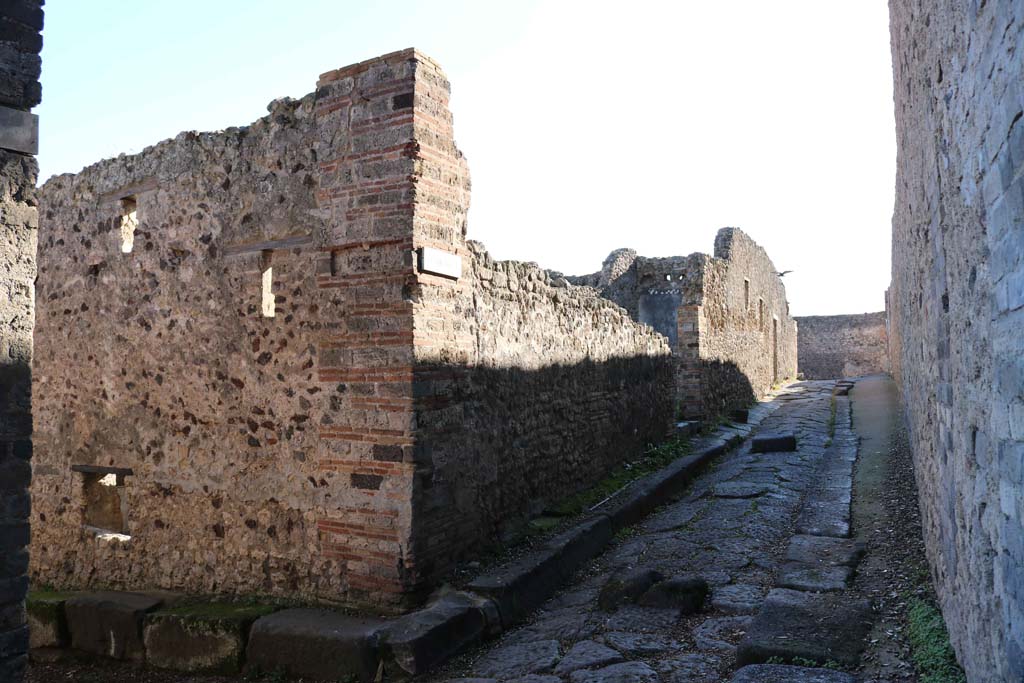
[438, 262]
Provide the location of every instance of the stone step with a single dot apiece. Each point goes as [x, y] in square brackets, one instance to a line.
[795, 625]
[773, 442]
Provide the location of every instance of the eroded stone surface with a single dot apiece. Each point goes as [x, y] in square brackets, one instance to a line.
[626, 672]
[781, 673]
[818, 627]
[519, 660]
[587, 654]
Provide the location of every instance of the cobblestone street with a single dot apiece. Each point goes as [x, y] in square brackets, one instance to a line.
[731, 529]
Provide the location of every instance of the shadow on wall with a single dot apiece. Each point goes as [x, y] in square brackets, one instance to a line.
[724, 388]
[496, 446]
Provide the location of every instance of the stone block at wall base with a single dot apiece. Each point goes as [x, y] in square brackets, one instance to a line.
[207, 638]
[315, 644]
[108, 623]
[46, 621]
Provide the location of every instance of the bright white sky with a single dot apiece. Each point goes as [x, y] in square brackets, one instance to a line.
[588, 125]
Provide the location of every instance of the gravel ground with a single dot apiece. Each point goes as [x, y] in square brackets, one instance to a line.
[887, 519]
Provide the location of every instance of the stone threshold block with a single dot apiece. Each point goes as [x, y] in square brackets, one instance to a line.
[784, 673]
[48, 626]
[823, 551]
[109, 623]
[773, 442]
[818, 627]
[316, 644]
[807, 577]
[200, 638]
[825, 517]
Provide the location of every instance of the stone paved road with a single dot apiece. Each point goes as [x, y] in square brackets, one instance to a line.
[730, 528]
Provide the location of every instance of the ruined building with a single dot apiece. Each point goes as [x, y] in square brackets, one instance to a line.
[20, 44]
[956, 309]
[268, 360]
[725, 316]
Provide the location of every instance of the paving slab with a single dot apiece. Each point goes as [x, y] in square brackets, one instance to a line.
[626, 672]
[824, 551]
[806, 577]
[315, 643]
[638, 644]
[737, 598]
[587, 654]
[817, 627]
[109, 623]
[783, 673]
[720, 633]
[824, 517]
[690, 668]
[519, 660]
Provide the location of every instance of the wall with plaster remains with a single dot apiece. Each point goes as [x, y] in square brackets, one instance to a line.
[239, 351]
[832, 346]
[21, 22]
[725, 317]
[956, 310]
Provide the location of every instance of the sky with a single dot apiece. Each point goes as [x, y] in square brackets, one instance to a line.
[588, 125]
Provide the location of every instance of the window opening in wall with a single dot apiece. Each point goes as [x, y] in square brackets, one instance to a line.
[746, 293]
[334, 264]
[106, 501]
[269, 309]
[760, 311]
[129, 223]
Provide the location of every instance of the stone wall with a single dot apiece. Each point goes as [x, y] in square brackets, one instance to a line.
[748, 341]
[531, 389]
[20, 24]
[247, 365]
[956, 309]
[832, 346]
[248, 381]
[725, 317]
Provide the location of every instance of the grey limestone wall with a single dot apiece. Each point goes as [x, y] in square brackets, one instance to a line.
[20, 24]
[956, 309]
[832, 346]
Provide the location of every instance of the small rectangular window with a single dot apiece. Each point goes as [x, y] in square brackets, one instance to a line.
[106, 501]
[129, 223]
[760, 311]
[746, 293]
[269, 309]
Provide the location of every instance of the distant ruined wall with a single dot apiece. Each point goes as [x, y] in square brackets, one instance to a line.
[833, 346]
[20, 24]
[725, 317]
[956, 310]
[250, 380]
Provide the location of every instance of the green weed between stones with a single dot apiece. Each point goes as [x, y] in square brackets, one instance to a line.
[929, 644]
[655, 458]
